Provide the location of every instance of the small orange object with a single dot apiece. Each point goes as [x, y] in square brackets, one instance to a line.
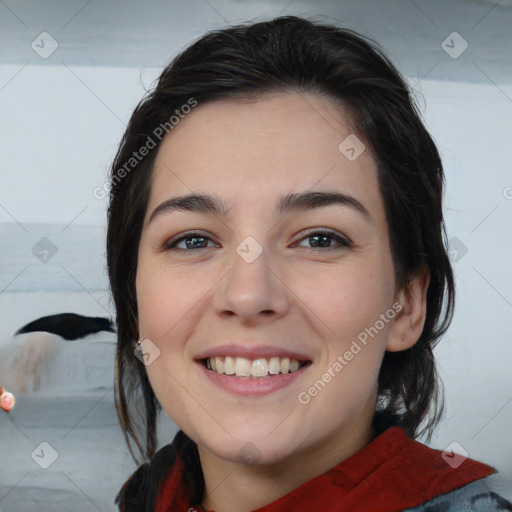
[7, 400]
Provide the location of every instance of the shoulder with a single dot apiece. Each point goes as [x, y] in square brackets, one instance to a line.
[140, 491]
[476, 496]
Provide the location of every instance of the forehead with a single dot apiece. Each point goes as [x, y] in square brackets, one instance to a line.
[250, 151]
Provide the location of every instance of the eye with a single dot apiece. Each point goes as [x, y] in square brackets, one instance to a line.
[192, 241]
[317, 239]
[322, 240]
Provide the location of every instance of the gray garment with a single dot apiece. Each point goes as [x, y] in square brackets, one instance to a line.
[477, 496]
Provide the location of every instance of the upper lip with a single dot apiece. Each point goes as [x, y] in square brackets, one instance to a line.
[255, 352]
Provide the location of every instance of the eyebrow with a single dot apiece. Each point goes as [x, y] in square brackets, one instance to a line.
[303, 201]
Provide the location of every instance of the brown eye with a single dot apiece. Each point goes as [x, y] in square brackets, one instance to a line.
[323, 239]
[192, 241]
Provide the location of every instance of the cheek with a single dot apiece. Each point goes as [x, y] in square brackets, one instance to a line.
[165, 298]
[347, 300]
[168, 303]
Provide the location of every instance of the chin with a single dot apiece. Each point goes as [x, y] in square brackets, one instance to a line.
[251, 454]
[250, 448]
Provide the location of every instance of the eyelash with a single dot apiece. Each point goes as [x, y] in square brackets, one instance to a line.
[342, 241]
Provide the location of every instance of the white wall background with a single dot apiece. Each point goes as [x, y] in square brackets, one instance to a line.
[62, 117]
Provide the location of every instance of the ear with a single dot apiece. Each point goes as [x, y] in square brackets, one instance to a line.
[408, 324]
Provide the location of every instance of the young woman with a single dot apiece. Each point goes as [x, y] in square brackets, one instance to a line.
[277, 258]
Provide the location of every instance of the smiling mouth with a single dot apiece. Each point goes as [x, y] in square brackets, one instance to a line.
[260, 368]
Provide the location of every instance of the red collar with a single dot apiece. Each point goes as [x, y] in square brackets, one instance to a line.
[390, 474]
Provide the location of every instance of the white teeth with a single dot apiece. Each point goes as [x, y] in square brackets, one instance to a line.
[274, 366]
[229, 365]
[242, 367]
[259, 368]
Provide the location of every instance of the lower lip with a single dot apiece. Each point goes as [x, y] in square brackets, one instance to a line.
[249, 386]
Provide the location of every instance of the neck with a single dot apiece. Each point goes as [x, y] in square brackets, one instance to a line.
[235, 487]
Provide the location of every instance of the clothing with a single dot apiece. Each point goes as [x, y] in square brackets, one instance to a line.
[393, 473]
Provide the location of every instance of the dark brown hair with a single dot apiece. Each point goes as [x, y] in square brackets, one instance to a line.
[297, 55]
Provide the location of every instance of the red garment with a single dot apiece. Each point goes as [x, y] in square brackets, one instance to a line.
[390, 474]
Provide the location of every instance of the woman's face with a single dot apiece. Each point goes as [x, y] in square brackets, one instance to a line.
[273, 274]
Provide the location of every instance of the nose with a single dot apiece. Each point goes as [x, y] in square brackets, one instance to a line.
[253, 290]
